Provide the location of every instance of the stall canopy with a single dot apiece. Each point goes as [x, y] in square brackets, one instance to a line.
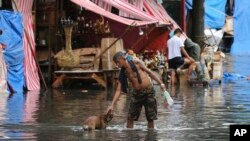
[87, 4]
[147, 15]
[130, 9]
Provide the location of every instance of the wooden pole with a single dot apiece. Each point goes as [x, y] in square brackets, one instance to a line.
[198, 21]
[32, 51]
[183, 15]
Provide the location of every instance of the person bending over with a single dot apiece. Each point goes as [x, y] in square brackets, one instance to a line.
[142, 93]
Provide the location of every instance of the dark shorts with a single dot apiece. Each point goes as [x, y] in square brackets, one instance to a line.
[176, 62]
[144, 98]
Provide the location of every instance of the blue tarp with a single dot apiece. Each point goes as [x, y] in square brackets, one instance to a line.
[214, 12]
[233, 76]
[11, 25]
[241, 28]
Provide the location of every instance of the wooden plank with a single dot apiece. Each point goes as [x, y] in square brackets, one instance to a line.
[87, 51]
[99, 80]
[59, 81]
[97, 62]
[78, 77]
[79, 71]
[86, 59]
[100, 76]
[86, 71]
[107, 61]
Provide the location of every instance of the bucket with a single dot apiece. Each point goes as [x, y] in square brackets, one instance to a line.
[217, 70]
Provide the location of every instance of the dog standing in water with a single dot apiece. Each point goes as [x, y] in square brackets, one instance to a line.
[97, 122]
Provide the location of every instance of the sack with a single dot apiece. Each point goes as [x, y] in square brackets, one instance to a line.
[168, 98]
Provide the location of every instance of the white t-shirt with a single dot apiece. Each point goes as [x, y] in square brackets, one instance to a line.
[174, 47]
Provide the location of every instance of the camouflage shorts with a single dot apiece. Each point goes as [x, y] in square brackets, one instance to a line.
[144, 98]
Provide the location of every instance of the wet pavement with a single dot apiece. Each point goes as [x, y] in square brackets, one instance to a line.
[198, 113]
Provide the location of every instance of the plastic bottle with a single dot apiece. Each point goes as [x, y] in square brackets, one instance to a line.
[168, 98]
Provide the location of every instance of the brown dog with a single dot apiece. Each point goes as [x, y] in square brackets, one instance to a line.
[97, 122]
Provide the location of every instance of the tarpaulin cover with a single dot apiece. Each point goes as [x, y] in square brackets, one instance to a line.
[233, 76]
[214, 12]
[11, 25]
[241, 28]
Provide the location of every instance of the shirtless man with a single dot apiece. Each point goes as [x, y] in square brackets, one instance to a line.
[143, 93]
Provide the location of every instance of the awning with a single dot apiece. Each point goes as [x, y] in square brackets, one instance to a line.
[130, 9]
[154, 14]
[96, 9]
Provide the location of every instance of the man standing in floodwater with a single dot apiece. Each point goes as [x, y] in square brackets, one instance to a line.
[142, 94]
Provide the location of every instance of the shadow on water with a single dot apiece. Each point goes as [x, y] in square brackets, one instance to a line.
[198, 113]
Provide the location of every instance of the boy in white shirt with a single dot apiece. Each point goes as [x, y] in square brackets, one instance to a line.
[175, 48]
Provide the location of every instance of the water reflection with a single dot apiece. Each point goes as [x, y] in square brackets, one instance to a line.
[31, 106]
[3, 110]
[198, 113]
[17, 112]
[15, 108]
[14, 115]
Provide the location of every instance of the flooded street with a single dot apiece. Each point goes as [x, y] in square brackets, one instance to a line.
[198, 113]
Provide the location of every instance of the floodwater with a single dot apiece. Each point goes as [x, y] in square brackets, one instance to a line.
[198, 113]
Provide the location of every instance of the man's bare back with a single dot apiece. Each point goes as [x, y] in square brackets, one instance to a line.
[132, 76]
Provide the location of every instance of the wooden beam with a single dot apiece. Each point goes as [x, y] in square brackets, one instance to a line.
[99, 80]
[59, 81]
